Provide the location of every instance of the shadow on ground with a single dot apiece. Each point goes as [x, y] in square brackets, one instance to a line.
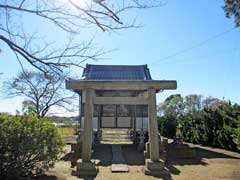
[103, 156]
[133, 157]
[201, 158]
[47, 177]
[74, 173]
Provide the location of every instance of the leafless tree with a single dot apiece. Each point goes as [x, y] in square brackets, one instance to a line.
[71, 16]
[41, 91]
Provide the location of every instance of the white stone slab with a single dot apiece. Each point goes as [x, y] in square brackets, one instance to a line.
[119, 168]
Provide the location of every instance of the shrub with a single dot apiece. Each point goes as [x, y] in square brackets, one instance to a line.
[211, 122]
[236, 137]
[28, 145]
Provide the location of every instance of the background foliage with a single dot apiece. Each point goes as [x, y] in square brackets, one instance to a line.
[208, 121]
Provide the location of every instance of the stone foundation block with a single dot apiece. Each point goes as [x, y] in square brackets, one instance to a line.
[155, 168]
[86, 168]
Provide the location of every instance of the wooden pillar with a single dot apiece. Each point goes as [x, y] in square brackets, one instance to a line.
[87, 132]
[152, 126]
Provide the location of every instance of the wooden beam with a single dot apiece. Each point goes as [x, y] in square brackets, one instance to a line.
[120, 100]
[120, 84]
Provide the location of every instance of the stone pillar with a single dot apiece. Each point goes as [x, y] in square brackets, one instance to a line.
[87, 132]
[86, 166]
[153, 126]
[154, 166]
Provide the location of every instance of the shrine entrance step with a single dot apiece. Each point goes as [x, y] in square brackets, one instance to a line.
[116, 136]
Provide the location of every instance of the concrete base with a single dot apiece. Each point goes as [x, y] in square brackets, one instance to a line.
[155, 168]
[86, 168]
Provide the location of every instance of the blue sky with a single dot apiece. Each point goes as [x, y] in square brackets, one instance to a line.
[188, 41]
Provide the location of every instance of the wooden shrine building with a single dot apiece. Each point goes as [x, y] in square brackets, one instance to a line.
[118, 96]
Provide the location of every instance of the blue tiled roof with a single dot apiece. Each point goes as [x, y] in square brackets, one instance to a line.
[116, 72]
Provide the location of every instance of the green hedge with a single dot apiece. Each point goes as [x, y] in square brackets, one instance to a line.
[214, 124]
[28, 145]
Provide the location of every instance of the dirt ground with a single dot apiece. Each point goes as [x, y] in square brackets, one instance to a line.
[210, 164]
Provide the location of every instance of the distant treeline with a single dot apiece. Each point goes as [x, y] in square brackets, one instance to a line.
[208, 121]
[65, 120]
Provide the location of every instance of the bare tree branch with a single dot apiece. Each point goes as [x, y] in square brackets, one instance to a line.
[70, 16]
[42, 92]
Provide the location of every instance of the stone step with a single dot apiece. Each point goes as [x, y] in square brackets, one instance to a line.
[116, 142]
[116, 139]
[122, 133]
[115, 136]
[115, 132]
[115, 129]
